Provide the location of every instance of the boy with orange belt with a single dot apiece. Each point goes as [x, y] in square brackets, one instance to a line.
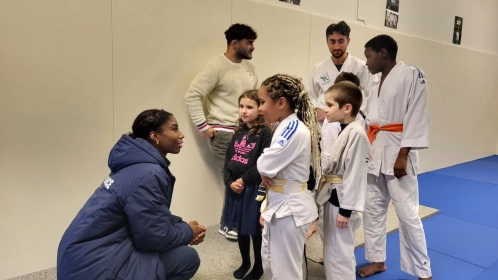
[397, 117]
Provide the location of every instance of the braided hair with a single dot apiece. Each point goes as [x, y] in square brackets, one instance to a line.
[292, 90]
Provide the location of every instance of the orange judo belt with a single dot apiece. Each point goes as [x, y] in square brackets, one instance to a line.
[374, 129]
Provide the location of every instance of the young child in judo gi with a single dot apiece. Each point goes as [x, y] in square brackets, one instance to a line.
[289, 208]
[342, 187]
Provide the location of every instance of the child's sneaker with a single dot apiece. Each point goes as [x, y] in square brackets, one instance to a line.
[231, 234]
[223, 231]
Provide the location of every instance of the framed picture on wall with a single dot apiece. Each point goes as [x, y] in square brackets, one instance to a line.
[392, 14]
[295, 2]
[457, 30]
[392, 5]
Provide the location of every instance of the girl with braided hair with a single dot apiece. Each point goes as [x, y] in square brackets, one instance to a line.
[284, 167]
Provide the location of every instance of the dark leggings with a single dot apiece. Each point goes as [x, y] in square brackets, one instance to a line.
[245, 245]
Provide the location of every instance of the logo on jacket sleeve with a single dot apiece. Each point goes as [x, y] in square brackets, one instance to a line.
[108, 182]
[286, 135]
[281, 142]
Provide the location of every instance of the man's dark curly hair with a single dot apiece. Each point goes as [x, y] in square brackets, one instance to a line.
[240, 31]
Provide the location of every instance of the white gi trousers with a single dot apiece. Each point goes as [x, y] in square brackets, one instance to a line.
[338, 245]
[404, 195]
[282, 249]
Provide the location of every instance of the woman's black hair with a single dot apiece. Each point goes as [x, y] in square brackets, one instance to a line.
[148, 121]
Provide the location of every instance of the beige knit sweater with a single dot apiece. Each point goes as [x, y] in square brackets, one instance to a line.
[222, 82]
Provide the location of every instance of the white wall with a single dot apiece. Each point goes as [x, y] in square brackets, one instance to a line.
[158, 47]
[429, 19]
[74, 75]
[56, 119]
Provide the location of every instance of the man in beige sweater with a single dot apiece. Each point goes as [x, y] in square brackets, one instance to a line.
[222, 81]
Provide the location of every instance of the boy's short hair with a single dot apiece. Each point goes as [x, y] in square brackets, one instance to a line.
[239, 31]
[386, 42]
[348, 76]
[346, 92]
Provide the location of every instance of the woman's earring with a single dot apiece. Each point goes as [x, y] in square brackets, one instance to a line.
[157, 143]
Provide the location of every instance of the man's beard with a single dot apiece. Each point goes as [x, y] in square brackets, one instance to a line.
[338, 56]
[244, 55]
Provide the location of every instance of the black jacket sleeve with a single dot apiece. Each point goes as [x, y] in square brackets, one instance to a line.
[252, 176]
[228, 177]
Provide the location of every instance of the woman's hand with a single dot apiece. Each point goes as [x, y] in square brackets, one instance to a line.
[199, 239]
[198, 232]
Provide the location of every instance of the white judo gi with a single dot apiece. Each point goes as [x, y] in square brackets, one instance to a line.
[329, 136]
[346, 171]
[289, 207]
[402, 100]
[324, 73]
[320, 79]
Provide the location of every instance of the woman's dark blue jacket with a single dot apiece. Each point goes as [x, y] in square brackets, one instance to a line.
[126, 223]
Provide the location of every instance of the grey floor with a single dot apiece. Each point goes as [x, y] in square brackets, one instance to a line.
[220, 257]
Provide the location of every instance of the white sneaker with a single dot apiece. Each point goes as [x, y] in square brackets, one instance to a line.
[223, 231]
[231, 235]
